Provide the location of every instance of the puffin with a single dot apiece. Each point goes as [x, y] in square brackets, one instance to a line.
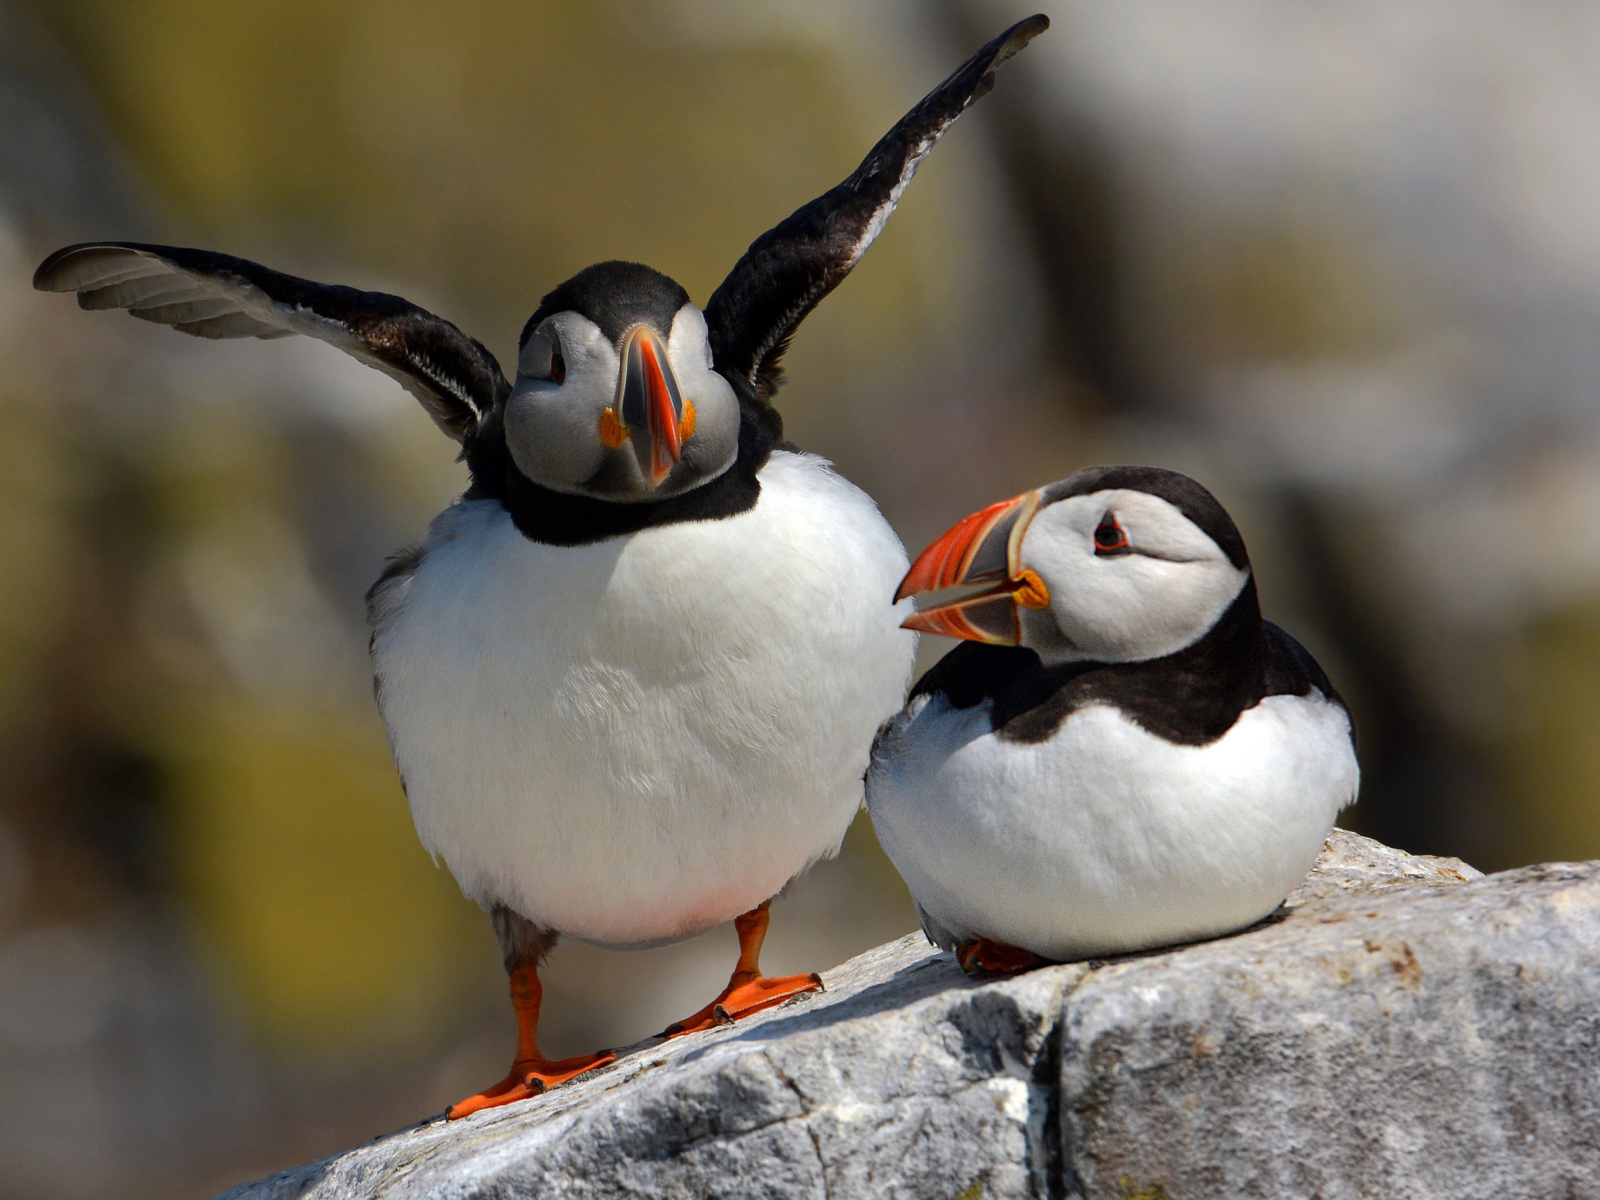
[632, 676]
[1121, 753]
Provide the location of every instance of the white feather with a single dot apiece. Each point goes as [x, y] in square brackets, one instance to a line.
[1105, 837]
[1131, 607]
[636, 740]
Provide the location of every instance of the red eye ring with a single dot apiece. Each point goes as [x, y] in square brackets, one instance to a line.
[558, 366]
[1109, 537]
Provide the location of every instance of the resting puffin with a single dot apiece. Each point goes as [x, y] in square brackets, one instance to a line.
[632, 677]
[1123, 754]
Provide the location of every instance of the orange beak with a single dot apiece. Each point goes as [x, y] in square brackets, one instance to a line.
[649, 404]
[982, 548]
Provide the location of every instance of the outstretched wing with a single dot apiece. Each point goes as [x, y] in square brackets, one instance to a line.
[219, 296]
[790, 268]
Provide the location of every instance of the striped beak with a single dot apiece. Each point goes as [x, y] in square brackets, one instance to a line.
[649, 404]
[983, 548]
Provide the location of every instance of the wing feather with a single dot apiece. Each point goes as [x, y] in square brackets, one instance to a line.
[213, 295]
[170, 310]
[789, 269]
[229, 325]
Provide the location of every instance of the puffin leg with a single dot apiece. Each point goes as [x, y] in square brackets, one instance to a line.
[748, 990]
[982, 957]
[531, 1072]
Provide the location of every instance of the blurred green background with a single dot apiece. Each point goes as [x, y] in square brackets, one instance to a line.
[1337, 262]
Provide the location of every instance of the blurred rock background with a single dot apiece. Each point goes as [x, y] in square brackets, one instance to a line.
[1338, 260]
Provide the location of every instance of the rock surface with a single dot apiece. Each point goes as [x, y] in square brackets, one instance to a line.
[1403, 1026]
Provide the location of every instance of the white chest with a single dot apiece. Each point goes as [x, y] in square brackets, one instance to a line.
[638, 739]
[1108, 838]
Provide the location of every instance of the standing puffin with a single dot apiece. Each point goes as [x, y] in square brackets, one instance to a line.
[1123, 754]
[632, 677]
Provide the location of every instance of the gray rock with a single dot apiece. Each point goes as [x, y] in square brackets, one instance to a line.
[1403, 1026]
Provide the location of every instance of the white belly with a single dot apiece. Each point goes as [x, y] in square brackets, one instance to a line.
[636, 740]
[1107, 838]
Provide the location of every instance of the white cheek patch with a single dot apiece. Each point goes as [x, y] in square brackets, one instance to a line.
[534, 361]
[1133, 608]
[715, 442]
[689, 342]
[552, 428]
[1154, 601]
[1157, 529]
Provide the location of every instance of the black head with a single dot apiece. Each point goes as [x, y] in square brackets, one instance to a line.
[1110, 564]
[615, 397]
[618, 420]
[615, 360]
[627, 395]
[1183, 493]
[615, 296]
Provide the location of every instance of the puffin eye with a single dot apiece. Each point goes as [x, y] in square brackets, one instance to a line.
[1110, 538]
[558, 366]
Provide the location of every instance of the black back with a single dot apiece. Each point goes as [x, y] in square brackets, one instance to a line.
[1192, 697]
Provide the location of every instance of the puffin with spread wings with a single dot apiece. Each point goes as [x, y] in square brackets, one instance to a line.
[631, 677]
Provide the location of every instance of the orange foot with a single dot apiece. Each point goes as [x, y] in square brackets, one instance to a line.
[528, 1077]
[532, 1074]
[745, 995]
[748, 990]
[983, 957]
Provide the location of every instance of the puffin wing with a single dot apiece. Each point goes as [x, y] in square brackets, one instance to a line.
[218, 296]
[789, 269]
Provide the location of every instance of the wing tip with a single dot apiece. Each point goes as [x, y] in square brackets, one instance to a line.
[972, 80]
[1014, 39]
[966, 90]
[50, 278]
[1023, 32]
[43, 280]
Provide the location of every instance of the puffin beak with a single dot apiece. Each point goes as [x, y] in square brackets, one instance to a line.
[649, 404]
[982, 548]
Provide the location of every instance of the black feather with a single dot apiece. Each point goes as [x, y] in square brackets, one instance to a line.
[1192, 697]
[1184, 494]
[616, 296]
[790, 268]
[206, 294]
